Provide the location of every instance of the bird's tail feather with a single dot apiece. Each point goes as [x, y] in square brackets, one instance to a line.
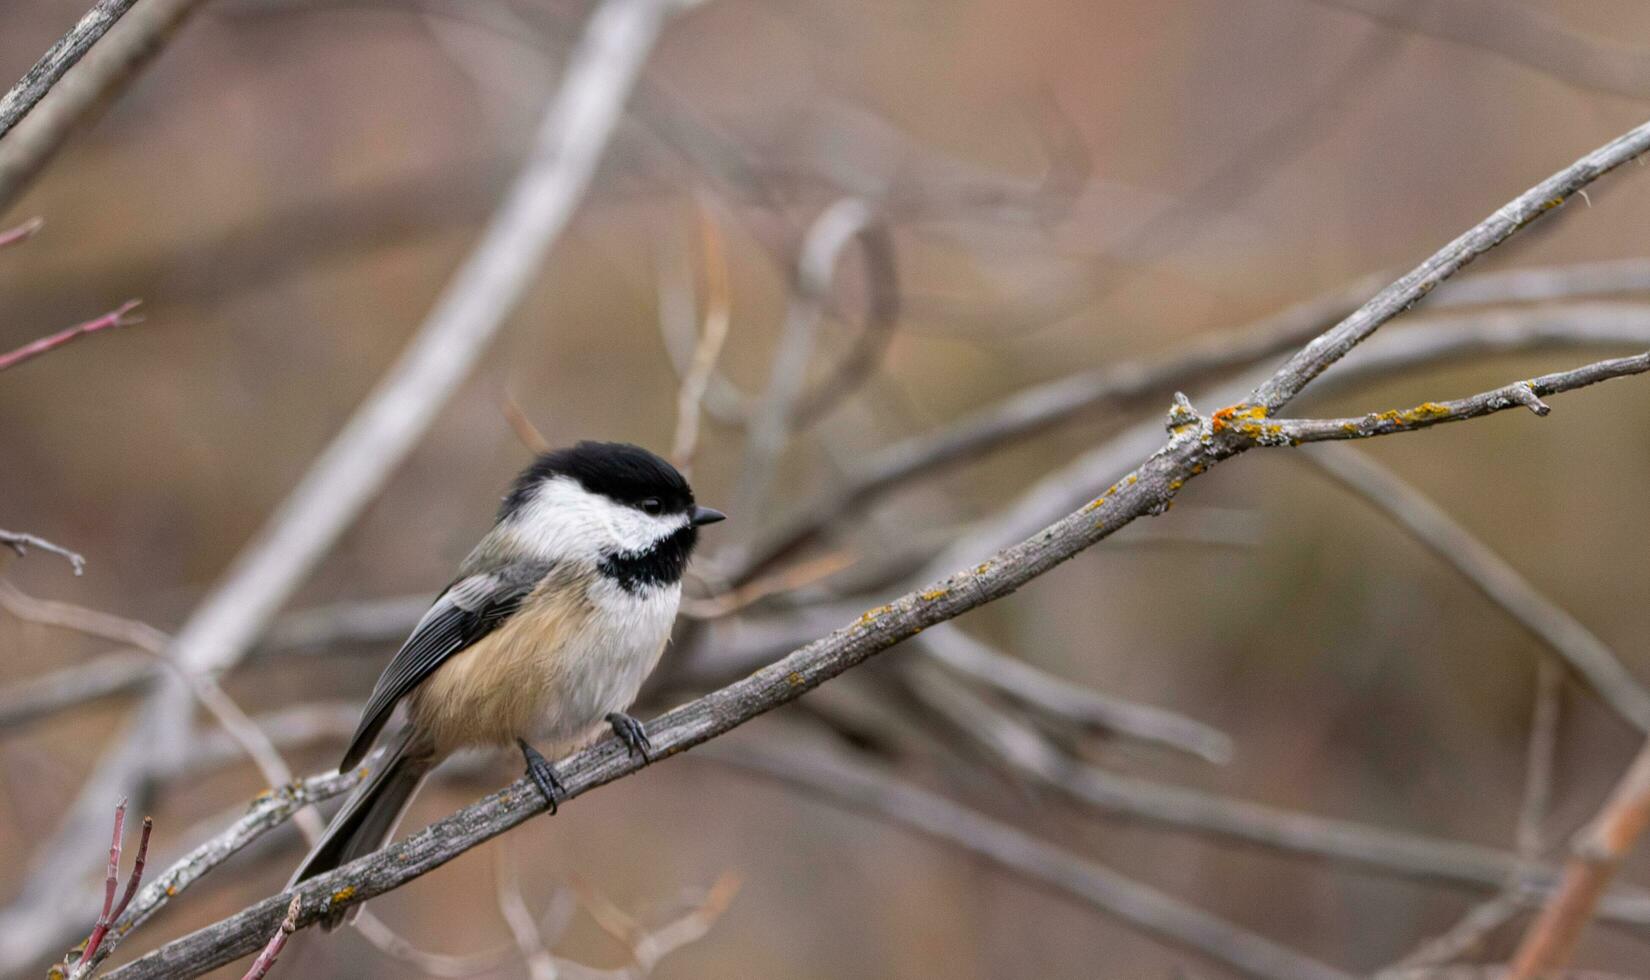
[370, 815]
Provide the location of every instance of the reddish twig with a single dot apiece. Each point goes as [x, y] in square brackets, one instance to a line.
[22, 232]
[115, 318]
[111, 911]
[277, 942]
[1597, 854]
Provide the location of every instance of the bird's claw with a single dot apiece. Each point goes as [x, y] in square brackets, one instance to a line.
[543, 775]
[632, 733]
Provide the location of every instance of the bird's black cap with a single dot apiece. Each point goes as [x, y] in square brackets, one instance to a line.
[619, 471]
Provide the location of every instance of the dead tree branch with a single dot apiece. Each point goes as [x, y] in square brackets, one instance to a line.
[59, 58]
[106, 70]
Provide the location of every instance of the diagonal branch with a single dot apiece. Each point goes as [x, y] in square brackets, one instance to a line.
[1013, 849]
[59, 58]
[1332, 345]
[118, 317]
[21, 542]
[1597, 855]
[1492, 575]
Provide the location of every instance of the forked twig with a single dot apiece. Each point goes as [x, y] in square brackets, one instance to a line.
[111, 910]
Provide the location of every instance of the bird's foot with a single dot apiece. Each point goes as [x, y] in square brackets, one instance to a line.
[543, 775]
[632, 734]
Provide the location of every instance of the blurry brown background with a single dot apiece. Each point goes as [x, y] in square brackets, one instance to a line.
[290, 185]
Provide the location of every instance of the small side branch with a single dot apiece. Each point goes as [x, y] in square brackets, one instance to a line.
[1252, 425]
[111, 910]
[21, 542]
[277, 942]
[118, 317]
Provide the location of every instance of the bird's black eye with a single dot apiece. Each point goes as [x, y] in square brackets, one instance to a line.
[653, 506]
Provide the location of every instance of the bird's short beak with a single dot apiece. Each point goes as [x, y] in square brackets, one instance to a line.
[706, 515]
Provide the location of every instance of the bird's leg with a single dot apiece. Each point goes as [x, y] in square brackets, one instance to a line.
[543, 775]
[632, 734]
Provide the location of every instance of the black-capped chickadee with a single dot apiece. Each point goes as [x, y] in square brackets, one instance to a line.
[554, 621]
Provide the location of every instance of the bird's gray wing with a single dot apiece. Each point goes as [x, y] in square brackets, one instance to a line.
[468, 610]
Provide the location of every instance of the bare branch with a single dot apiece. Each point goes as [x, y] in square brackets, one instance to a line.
[21, 543]
[59, 58]
[1491, 574]
[1333, 344]
[956, 649]
[833, 779]
[1597, 855]
[104, 72]
[118, 317]
[1255, 427]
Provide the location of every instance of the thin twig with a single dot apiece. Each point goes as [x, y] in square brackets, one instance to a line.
[22, 232]
[266, 813]
[1259, 430]
[21, 543]
[1597, 855]
[118, 317]
[1333, 344]
[1041, 692]
[266, 959]
[59, 58]
[112, 910]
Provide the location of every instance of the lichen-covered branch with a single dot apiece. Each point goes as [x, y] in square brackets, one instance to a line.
[1253, 425]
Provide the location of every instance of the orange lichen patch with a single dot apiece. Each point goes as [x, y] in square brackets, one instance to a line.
[1232, 414]
[982, 568]
[1552, 202]
[871, 615]
[1424, 412]
[1176, 484]
[933, 594]
[795, 679]
[343, 895]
